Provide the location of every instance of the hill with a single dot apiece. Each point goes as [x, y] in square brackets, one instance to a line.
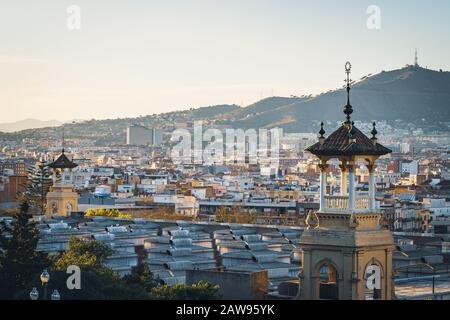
[28, 124]
[408, 94]
[411, 94]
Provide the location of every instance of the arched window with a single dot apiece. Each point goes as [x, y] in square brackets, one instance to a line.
[69, 208]
[54, 208]
[328, 286]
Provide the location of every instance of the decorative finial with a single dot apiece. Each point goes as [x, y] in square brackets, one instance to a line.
[374, 133]
[348, 110]
[311, 221]
[351, 132]
[382, 221]
[354, 223]
[321, 134]
[348, 69]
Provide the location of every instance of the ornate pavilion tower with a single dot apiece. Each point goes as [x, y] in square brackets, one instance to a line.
[346, 248]
[62, 199]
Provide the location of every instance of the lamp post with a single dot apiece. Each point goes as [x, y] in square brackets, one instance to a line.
[34, 294]
[45, 277]
[55, 295]
[434, 276]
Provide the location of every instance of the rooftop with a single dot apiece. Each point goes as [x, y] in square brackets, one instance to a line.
[63, 163]
[348, 140]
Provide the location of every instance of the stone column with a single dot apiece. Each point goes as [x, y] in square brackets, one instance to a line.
[308, 290]
[389, 288]
[345, 291]
[54, 176]
[372, 202]
[323, 182]
[63, 176]
[71, 176]
[344, 180]
[351, 187]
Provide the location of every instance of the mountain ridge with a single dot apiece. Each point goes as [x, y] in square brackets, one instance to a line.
[410, 94]
[407, 94]
[29, 123]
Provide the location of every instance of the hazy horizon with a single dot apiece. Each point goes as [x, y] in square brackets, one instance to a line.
[142, 57]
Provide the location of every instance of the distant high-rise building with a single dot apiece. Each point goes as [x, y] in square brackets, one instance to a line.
[157, 137]
[405, 147]
[141, 136]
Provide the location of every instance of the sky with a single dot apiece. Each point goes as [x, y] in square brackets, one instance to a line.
[140, 57]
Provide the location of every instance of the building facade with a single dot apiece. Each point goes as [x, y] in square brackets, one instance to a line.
[346, 247]
[62, 199]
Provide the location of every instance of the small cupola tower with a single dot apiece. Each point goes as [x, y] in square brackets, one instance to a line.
[62, 199]
[347, 254]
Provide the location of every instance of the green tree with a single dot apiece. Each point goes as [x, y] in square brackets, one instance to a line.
[198, 291]
[113, 213]
[19, 260]
[39, 181]
[142, 277]
[83, 253]
[98, 281]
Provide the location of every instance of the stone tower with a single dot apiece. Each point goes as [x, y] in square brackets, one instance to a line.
[346, 248]
[62, 199]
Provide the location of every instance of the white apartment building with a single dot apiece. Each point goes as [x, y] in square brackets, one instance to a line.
[437, 207]
[411, 167]
[142, 136]
[186, 205]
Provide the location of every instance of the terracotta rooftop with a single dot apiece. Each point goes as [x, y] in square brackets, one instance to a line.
[342, 143]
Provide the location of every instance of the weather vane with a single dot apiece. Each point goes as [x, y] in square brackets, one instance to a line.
[348, 68]
[348, 110]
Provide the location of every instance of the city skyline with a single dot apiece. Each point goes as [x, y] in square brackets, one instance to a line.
[144, 58]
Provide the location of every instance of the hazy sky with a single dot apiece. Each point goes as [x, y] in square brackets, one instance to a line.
[134, 58]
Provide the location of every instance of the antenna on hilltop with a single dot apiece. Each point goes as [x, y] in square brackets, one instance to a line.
[416, 59]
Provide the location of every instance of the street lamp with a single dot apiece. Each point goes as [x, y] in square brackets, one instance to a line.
[45, 277]
[34, 294]
[55, 295]
[434, 276]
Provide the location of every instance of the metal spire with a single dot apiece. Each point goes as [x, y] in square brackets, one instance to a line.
[321, 134]
[348, 110]
[322, 131]
[374, 131]
[351, 132]
[374, 134]
[63, 140]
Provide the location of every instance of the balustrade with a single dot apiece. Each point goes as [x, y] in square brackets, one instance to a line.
[340, 203]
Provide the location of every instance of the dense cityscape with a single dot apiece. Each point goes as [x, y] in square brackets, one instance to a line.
[129, 171]
[233, 223]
